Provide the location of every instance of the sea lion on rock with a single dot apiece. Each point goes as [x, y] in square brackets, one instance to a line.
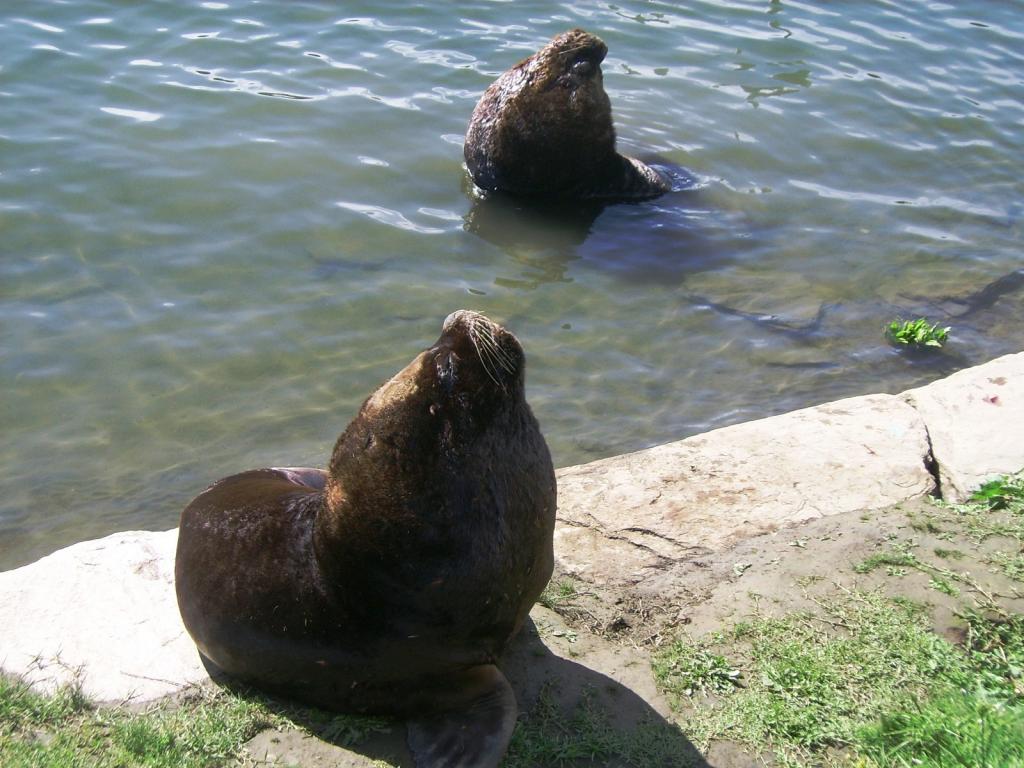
[391, 582]
[544, 129]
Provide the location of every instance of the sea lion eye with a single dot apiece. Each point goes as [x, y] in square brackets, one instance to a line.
[583, 67]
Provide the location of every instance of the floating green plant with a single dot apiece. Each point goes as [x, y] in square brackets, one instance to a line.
[917, 333]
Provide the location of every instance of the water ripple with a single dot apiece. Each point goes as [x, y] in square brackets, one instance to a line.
[138, 115]
[379, 25]
[173, 251]
[39, 25]
[390, 217]
[450, 59]
[940, 201]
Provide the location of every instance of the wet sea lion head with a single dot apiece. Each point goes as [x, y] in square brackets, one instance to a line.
[566, 75]
[461, 396]
[544, 129]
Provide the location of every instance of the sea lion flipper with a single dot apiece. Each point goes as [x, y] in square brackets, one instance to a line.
[471, 733]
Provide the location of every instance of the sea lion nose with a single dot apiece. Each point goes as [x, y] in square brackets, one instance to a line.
[464, 316]
[452, 319]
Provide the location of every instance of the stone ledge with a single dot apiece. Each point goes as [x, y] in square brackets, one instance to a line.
[623, 519]
[105, 610]
[975, 420]
[101, 611]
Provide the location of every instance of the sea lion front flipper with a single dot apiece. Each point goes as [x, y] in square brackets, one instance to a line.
[473, 728]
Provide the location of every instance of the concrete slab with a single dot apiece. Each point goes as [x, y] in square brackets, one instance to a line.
[623, 519]
[103, 611]
[975, 420]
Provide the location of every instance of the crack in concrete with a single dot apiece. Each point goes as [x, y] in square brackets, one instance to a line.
[654, 535]
[931, 464]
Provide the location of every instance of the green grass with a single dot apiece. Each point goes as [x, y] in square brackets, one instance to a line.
[1004, 493]
[65, 730]
[1010, 565]
[687, 669]
[953, 729]
[975, 720]
[809, 682]
[557, 593]
[868, 676]
[547, 736]
[894, 559]
[864, 681]
[916, 333]
[207, 728]
[995, 511]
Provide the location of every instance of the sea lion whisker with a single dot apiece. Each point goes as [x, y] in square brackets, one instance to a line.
[499, 355]
[490, 373]
[484, 352]
[573, 50]
[485, 332]
[501, 359]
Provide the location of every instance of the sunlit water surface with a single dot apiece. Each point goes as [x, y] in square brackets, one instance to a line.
[223, 224]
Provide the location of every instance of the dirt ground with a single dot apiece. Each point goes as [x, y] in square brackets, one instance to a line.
[588, 649]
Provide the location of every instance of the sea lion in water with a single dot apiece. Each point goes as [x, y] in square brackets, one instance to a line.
[391, 582]
[544, 129]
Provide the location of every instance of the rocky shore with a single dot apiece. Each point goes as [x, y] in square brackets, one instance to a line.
[647, 525]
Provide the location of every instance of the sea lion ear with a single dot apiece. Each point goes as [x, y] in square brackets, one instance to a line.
[473, 733]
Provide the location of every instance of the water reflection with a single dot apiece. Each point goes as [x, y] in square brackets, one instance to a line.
[509, 222]
[677, 234]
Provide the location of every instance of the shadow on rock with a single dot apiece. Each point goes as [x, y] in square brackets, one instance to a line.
[569, 715]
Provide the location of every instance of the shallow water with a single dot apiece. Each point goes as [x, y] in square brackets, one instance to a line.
[222, 225]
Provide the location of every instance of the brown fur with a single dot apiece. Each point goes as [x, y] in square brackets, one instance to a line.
[544, 129]
[413, 559]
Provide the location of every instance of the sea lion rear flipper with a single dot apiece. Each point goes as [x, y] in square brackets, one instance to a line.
[474, 727]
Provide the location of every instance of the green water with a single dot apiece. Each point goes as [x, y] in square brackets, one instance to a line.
[222, 225]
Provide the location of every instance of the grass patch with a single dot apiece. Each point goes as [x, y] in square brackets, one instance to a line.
[585, 736]
[890, 559]
[864, 681]
[866, 678]
[558, 593]
[811, 681]
[972, 720]
[995, 509]
[206, 728]
[996, 653]
[953, 729]
[1010, 565]
[1003, 493]
[687, 669]
[945, 586]
[925, 526]
[65, 730]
